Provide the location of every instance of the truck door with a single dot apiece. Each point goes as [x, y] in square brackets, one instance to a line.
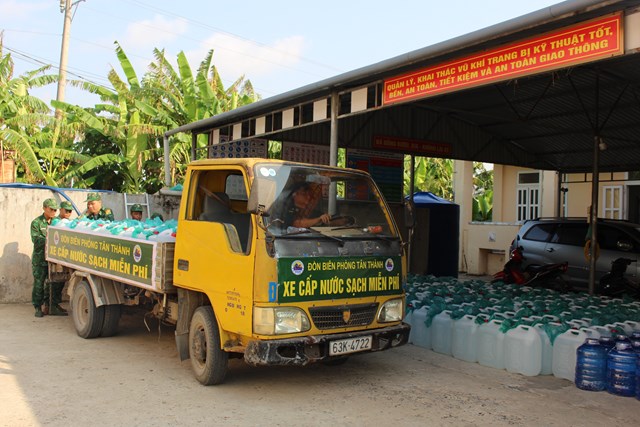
[214, 253]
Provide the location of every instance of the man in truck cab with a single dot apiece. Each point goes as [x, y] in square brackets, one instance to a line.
[302, 211]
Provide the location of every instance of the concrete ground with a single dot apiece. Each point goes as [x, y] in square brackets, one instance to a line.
[51, 377]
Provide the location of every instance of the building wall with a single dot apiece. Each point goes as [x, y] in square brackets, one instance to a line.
[19, 206]
[485, 246]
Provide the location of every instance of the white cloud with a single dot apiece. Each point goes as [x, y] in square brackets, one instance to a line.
[234, 57]
[153, 33]
[14, 9]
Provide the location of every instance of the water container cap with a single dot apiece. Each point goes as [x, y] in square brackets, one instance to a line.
[622, 345]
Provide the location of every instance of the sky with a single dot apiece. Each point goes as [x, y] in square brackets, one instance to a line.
[279, 45]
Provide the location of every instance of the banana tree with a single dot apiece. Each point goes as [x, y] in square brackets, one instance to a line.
[25, 122]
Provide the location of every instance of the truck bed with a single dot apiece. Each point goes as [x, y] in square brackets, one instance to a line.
[142, 263]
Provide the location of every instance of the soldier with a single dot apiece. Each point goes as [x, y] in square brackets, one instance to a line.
[39, 264]
[66, 208]
[136, 212]
[95, 209]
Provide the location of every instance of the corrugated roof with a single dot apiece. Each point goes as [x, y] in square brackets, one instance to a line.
[544, 121]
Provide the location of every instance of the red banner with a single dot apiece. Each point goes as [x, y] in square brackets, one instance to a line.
[405, 145]
[584, 42]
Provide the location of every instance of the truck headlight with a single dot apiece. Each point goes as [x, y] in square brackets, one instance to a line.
[279, 320]
[391, 311]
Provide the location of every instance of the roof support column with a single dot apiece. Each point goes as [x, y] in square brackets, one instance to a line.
[593, 213]
[333, 139]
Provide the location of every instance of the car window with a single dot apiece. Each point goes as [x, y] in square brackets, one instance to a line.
[570, 234]
[539, 232]
[608, 238]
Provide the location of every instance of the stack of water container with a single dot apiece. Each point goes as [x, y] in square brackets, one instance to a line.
[150, 229]
[530, 331]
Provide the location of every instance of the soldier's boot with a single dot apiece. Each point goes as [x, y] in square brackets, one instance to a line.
[55, 311]
[59, 308]
[38, 312]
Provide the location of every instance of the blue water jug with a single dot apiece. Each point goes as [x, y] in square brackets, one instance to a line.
[607, 342]
[621, 370]
[591, 366]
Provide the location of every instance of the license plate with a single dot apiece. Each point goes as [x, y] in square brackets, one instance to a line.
[350, 345]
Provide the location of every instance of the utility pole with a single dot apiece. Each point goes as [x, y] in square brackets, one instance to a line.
[65, 7]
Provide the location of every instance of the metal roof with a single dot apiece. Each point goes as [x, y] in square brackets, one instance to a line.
[543, 121]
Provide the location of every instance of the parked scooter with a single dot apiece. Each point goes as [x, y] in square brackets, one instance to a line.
[615, 283]
[547, 276]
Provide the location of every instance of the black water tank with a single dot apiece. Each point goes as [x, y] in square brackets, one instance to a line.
[436, 238]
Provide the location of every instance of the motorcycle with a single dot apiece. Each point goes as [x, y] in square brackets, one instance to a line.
[615, 283]
[548, 275]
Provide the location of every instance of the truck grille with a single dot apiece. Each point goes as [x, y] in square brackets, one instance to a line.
[343, 316]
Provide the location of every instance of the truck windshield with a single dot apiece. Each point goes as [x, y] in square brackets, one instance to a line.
[298, 200]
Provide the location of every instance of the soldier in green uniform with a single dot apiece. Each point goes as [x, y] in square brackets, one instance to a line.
[95, 209]
[136, 212]
[39, 264]
[66, 209]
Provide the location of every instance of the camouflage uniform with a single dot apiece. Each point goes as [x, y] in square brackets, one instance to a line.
[104, 213]
[39, 265]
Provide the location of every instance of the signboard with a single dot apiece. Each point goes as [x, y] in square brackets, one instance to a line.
[306, 153]
[321, 278]
[580, 43]
[122, 259]
[405, 145]
[386, 169]
[239, 149]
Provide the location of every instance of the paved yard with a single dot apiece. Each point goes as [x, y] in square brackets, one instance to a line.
[49, 376]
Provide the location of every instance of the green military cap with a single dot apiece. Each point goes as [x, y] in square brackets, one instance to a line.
[50, 203]
[136, 208]
[156, 215]
[66, 205]
[93, 197]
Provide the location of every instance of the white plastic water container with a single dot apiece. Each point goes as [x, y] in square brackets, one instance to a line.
[421, 334]
[546, 367]
[523, 351]
[490, 344]
[464, 339]
[441, 331]
[564, 353]
[602, 331]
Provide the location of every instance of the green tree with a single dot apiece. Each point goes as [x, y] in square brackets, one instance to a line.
[430, 174]
[26, 124]
[482, 193]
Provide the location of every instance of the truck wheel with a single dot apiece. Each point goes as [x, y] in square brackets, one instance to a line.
[111, 319]
[87, 318]
[208, 360]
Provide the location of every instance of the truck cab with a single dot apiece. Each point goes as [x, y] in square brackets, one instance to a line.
[255, 281]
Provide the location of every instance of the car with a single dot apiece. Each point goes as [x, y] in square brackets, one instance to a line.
[555, 240]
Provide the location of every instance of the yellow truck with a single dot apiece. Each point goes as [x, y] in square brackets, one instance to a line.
[252, 273]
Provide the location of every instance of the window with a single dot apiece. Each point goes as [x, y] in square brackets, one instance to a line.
[612, 202]
[570, 234]
[540, 233]
[528, 196]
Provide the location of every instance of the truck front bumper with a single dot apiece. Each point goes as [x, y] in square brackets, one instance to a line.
[304, 350]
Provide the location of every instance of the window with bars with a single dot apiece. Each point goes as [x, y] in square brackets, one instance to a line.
[612, 201]
[528, 196]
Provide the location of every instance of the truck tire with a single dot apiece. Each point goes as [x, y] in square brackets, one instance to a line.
[111, 319]
[87, 318]
[208, 360]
